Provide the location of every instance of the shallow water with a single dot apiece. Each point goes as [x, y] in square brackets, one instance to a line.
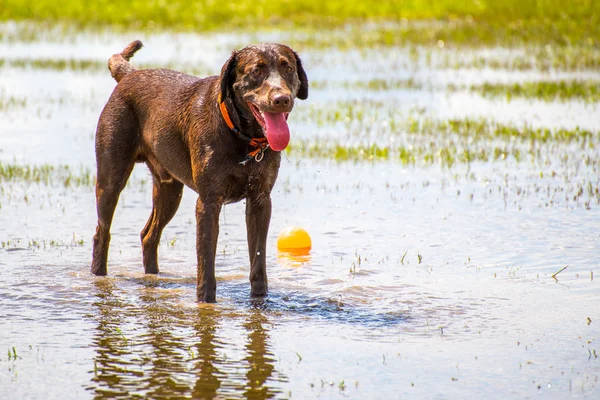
[430, 282]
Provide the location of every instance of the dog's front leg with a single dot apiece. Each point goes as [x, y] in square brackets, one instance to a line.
[207, 233]
[258, 217]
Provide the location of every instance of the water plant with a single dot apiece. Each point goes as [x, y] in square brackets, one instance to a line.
[59, 64]
[11, 102]
[558, 272]
[565, 90]
[46, 173]
[12, 355]
[403, 256]
[426, 141]
[588, 91]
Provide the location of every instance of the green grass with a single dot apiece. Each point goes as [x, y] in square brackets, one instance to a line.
[544, 90]
[477, 130]
[447, 142]
[88, 65]
[357, 117]
[446, 156]
[558, 58]
[55, 64]
[588, 91]
[46, 174]
[445, 34]
[373, 84]
[474, 22]
[53, 175]
[565, 58]
[565, 90]
[42, 243]
[11, 102]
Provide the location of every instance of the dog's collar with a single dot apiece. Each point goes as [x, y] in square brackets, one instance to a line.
[260, 144]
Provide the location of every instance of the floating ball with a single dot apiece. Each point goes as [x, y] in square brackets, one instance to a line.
[294, 240]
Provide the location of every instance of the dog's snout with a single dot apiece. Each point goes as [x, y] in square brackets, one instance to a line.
[282, 100]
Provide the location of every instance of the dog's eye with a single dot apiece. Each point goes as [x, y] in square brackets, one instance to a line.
[289, 69]
[256, 71]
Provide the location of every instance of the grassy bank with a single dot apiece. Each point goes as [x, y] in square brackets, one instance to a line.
[469, 22]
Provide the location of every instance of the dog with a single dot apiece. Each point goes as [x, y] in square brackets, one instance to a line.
[221, 136]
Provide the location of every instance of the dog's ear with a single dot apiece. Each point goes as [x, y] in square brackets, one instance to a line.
[228, 75]
[303, 91]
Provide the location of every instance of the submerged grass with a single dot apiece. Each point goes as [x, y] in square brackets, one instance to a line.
[373, 84]
[587, 91]
[53, 175]
[360, 118]
[11, 102]
[46, 174]
[89, 65]
[447, 142]
[471, 22]
[546, 58]
[443, 142]
[484, 130]
[406, 155]
[54, 64]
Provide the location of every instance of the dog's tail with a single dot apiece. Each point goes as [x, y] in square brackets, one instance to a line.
[119, 65]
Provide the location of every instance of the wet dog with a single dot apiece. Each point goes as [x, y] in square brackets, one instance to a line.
[221, 136]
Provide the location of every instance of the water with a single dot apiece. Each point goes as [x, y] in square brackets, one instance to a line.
[423, 281]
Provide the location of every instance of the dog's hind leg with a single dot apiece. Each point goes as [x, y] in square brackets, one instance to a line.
[116, 151]
[166, 196]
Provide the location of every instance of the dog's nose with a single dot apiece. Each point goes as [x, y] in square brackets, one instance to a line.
[281, 100]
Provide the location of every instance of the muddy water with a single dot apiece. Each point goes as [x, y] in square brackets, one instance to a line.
[423, 281]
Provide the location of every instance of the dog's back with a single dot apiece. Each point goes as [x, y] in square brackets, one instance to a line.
[149, 107]
[148, 88]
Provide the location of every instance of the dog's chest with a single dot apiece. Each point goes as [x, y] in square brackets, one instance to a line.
[240, 186]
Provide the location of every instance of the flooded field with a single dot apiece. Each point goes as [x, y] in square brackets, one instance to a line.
[452, 195]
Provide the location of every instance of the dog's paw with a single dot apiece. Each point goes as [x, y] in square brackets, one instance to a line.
[99, 270]
[206, 296]
[258, 289]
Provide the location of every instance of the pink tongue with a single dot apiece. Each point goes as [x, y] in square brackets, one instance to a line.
[278, 133]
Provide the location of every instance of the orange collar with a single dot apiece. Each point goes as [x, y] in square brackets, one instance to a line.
[260, 144]
[225, 114]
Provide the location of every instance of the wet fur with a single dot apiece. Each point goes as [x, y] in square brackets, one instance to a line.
[171, 122]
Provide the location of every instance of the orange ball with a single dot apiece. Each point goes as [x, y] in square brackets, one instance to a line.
[294, 239]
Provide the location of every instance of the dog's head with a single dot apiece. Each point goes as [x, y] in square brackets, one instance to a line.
[263, 80]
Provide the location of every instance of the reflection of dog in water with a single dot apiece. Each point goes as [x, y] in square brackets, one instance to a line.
[177, 352]
[221, 136]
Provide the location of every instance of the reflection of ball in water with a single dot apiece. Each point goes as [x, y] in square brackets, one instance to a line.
[294, 239]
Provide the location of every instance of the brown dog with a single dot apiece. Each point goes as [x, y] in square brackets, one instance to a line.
[220, 136]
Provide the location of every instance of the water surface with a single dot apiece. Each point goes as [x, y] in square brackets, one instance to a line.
[425, 281]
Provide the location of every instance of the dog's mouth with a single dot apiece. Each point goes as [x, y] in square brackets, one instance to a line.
[274, 125]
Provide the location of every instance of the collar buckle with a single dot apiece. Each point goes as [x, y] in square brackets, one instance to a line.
[260, 144]
[260, 155]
